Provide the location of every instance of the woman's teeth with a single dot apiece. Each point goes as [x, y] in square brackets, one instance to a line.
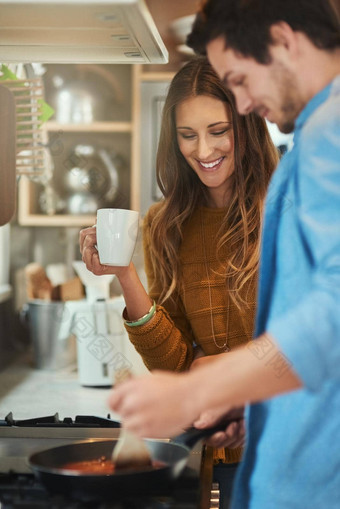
[212, 164]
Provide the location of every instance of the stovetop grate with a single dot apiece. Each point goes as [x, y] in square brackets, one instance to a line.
[51, 421]
[25, 492]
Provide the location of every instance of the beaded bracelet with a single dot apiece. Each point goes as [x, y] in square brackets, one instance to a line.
[144, 319]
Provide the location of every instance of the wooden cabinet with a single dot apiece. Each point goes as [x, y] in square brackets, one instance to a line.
[120, 136]
[89, 112]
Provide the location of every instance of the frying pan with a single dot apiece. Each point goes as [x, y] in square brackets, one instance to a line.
[48, 466]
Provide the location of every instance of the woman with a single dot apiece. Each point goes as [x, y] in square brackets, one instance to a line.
[201, 242]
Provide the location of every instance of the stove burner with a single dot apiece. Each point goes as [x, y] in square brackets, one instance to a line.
[25, 492]
[81, 421]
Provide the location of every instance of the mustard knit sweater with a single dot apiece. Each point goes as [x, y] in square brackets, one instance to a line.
[167, 341]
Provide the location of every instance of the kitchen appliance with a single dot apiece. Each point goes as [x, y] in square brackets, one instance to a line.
[67, 31]
[103, 345]
[101, 341]
[20, 489]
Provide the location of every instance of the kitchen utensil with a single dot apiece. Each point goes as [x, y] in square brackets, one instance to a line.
[50, 350]
[86, 96]
[7, 155]
[87, 172]
[31, 112]
[130, 451]
[82, 203]
[172, 456]
[92, 180]
[49, 200]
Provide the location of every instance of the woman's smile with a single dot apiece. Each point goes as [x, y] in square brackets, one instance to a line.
[213, 165]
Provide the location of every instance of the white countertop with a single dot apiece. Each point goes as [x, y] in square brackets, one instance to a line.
[29, 393]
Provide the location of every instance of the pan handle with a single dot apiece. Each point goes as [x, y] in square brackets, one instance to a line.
[192, 435]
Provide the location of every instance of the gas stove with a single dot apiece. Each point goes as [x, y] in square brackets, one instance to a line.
[19, 489]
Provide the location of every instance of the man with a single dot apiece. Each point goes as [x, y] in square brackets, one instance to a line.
[281, 58]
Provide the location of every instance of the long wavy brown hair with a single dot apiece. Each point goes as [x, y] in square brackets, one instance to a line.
[255, 158]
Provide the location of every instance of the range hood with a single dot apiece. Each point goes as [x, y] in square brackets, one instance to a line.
[78, 31]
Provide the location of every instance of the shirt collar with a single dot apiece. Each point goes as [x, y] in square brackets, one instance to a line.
[314, 103]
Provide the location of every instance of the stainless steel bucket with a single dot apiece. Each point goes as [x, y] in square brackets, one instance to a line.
[50, 351]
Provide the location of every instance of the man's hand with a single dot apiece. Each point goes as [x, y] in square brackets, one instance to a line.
[157, 405]
[234, 434]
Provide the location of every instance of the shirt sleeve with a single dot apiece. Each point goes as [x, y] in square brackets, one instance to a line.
[313, 341]
[166, 341]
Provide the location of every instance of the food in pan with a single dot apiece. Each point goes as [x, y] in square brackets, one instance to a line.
[96, 466]
[102, 466]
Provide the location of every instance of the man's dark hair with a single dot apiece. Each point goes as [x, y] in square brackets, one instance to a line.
[245, 24]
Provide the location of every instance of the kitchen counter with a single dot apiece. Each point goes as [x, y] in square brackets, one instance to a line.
[29, 392]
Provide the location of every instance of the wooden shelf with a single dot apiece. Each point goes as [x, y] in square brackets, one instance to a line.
[76, 221]
[28, 218]
[99, 127]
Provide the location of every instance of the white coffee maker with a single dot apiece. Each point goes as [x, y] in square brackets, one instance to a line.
[103, 345]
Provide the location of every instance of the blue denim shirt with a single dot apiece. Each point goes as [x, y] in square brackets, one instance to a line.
[292, 460]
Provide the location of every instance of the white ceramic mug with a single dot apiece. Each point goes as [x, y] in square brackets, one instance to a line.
[117, 231]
